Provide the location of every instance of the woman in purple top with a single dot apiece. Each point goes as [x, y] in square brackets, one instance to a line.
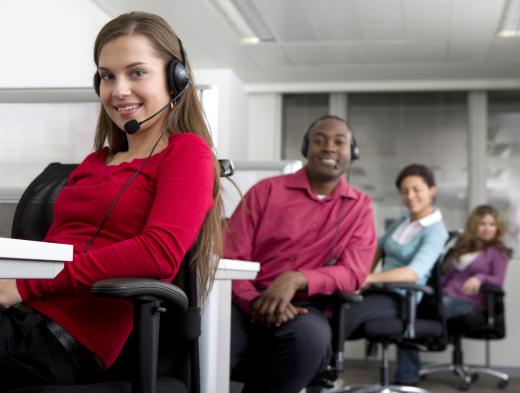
[479, 258]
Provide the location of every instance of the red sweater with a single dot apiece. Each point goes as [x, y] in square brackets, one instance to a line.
[151, 227]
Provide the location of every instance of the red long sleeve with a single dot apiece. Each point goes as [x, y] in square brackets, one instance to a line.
[283, 225]
[147, 234]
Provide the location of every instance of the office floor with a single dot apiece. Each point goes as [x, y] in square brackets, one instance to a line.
[368, 373]
[439, 383]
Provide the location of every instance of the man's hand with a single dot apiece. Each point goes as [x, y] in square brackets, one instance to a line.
[9, 294]
[272, 306]
[471, 286]
[290, 312]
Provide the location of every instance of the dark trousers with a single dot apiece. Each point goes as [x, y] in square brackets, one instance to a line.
[31, 355]
[379, 306]
[279, 359]
[373, 306]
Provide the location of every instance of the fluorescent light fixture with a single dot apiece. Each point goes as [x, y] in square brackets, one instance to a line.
[245, 19]
[510, 24]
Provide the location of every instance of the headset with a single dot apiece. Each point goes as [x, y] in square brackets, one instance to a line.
[354, 149]
[178, 78]
[354, 155]
[178, 82]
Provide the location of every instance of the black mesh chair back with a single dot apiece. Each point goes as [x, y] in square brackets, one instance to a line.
[430, 311]
[34, 212]
[178, 365]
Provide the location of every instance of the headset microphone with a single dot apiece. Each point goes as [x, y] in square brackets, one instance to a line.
[132, 126]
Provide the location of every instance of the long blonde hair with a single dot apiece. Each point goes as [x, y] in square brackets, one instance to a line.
[471, 241]
[186, 116]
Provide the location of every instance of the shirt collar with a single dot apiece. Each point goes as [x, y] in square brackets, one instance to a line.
[300, 180]
[431, 218]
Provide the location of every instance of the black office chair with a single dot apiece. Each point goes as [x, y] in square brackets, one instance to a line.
[171, 367]
[420, 327]
[338, 304]
[486, 325]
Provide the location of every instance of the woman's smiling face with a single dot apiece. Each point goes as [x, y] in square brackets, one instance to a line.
[417, 196]
[133, 81]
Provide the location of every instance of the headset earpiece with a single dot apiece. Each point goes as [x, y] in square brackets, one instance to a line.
[354, 150]
[177, 76]
[305, 145]
[97, 82]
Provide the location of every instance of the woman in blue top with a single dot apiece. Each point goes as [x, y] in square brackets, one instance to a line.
[410, 246]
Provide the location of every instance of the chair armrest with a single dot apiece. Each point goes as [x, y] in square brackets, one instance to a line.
[494, 302]
[349, 297]
[409, 286]
[337, 298]
[410, 301]
[147, 295]
[488, 288]
[137, 287]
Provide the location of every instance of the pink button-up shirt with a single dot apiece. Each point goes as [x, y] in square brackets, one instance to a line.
[282, 224]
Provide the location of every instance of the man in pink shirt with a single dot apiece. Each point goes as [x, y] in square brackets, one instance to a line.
[312, 234]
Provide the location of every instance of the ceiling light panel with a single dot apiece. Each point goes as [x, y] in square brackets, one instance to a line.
[245, 19]
[510, 23]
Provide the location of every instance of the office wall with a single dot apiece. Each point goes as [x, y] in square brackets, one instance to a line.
[50, 44]
[232, 111]
[264, 127]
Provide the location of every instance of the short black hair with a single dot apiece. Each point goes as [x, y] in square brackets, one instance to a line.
[325, 117]
[416, 170]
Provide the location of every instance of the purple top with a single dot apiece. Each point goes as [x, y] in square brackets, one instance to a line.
[489, 267]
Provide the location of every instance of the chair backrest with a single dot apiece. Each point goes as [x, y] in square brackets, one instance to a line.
[33, 217]
[430, 309]
[34, 213]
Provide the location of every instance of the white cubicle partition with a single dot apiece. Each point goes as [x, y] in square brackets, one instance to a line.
[215, 341]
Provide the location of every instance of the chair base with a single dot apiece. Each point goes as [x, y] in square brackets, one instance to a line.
[381, 389]
[468, 374]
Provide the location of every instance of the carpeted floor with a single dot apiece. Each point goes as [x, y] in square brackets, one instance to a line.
[368, 373]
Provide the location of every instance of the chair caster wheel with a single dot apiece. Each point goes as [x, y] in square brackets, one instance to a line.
[463, 387]
[502, 384]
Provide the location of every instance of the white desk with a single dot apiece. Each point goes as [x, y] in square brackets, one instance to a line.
[215, 341]
[17, 260]
[30, 259]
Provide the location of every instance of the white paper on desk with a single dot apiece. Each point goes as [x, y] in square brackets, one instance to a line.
[20, 268]
[28, 249]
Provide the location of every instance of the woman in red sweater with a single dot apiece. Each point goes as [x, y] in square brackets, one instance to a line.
[132, 208]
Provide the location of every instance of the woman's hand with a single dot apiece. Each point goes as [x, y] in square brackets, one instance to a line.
[368, 282]
[9, 295]
[471, 286]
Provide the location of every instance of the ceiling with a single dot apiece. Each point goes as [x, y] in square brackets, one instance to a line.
[347, 40]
